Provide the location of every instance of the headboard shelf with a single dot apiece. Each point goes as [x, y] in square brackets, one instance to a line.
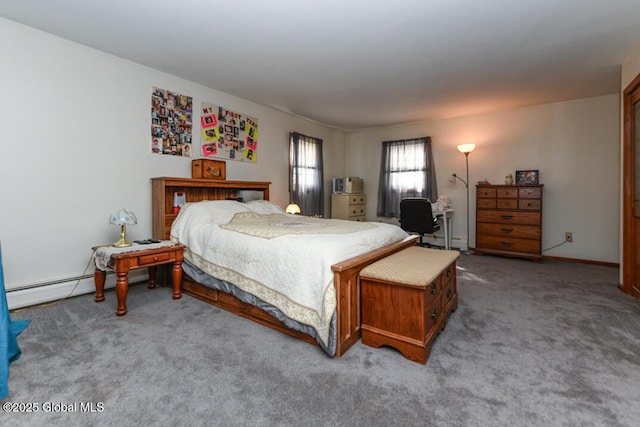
[195, 190]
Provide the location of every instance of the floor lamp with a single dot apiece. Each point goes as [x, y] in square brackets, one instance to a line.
[466, 149]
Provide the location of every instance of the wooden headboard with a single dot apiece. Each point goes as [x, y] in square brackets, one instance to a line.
[195, 190]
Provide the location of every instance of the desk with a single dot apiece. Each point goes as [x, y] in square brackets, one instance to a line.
[123, 260]
[446, 220]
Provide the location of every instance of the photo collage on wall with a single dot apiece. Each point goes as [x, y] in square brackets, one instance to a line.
[227, 134]
[171, 123]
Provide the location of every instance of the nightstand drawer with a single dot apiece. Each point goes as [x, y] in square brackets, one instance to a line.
[153, 258]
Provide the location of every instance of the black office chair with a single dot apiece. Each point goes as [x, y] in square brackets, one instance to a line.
[416, 216]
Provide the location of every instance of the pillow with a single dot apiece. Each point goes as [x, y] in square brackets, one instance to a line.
[264, 207]
[249, 195]
[211, 211]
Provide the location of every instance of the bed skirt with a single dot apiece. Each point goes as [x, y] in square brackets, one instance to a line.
[211, 282]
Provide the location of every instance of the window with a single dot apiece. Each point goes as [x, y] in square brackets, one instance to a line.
[306, 173]
[406, 170]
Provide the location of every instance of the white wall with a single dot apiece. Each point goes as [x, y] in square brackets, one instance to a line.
[75, 146]
[574, 145]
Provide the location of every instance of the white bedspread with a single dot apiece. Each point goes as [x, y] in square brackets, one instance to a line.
[284, 260]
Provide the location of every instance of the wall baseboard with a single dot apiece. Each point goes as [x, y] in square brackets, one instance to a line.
[583, 261]
[29, 297]
[44, 294]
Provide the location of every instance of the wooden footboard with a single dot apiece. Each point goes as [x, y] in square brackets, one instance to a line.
[347, 284]
[347, 294]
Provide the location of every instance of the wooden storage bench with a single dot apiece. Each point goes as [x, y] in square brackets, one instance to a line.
[407, 298]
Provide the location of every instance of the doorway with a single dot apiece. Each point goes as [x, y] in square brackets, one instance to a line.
[631, 190]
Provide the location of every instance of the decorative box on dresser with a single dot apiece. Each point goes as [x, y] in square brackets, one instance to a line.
[509, 220]
[349, 206]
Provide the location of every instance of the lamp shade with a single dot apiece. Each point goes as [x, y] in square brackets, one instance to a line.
[292, 208]
[123, 217]
[466, 148]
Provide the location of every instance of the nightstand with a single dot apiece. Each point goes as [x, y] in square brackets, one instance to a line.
[123, 260]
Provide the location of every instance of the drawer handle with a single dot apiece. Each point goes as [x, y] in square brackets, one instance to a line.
[506, 243]
[506, 216]
[449, 273]
[434, 288]
[434, 313]
[155, 258]
[449, 293]
[507, 230]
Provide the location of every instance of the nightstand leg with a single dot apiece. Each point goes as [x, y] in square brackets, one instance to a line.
[177, 279]
[98, 280]
[122, 286]
[152, 277]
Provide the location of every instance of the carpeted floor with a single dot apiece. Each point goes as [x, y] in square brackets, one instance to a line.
[531, 344]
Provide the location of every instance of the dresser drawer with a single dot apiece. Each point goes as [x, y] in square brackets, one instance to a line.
[431, 313]
[509, 244]
[530, 204]
[507, 204]
[485, 192]
[530, 193]
[509, 217]
[348, 206]
[355, 199]
[510, 230]
[356, 210]
[510, 193]
[431, 291]
[448, 291]
[486, 203]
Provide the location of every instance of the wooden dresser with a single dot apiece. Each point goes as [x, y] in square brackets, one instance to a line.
[509, 220]
[348, 206]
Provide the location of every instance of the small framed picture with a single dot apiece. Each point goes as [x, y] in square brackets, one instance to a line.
[527, 177]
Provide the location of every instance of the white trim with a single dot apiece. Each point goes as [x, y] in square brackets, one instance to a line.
[44, 294]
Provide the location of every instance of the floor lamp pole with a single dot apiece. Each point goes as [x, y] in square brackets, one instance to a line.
[466, 149]
[467, 251]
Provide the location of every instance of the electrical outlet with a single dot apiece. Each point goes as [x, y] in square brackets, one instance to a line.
[568, 236]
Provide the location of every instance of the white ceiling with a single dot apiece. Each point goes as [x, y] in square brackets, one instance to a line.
[355, 64]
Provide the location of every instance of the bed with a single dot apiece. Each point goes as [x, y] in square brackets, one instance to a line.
[239, 257]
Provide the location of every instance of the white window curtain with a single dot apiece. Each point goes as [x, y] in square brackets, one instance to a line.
[306, 176]
[406, 170]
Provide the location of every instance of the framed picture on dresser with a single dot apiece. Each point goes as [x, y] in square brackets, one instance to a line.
[525, 177]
